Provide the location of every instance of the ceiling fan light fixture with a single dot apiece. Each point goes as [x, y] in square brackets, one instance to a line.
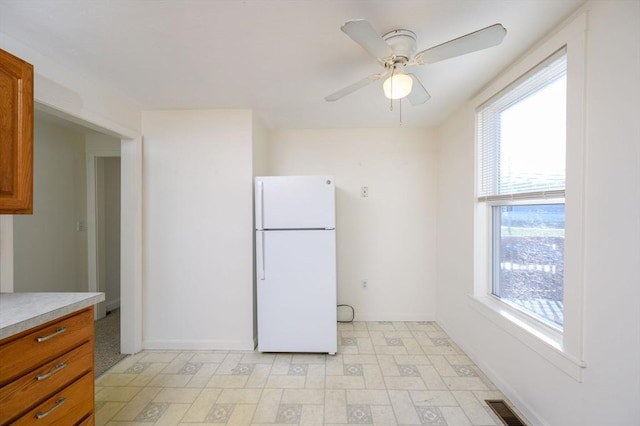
[397, 86]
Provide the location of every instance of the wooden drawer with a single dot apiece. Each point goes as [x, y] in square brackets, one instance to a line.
[69, 406]
[31, 389]
[22, 354]
[89, 421]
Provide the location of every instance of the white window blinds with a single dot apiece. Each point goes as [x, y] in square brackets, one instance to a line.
[522, 135]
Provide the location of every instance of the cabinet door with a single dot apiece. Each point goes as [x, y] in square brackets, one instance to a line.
[16, 135]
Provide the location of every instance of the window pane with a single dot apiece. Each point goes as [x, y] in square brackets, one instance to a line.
[529, 258]
[532, 141]
[522, 134]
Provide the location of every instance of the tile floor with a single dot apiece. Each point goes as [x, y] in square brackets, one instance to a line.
[385, 373]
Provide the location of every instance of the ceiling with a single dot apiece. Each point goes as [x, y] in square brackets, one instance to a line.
[277, 57]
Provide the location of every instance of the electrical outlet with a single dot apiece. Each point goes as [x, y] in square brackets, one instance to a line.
[364, 283]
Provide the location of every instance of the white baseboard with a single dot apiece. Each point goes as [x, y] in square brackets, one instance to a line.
[397, 317]
[198, 345]
[113, 304]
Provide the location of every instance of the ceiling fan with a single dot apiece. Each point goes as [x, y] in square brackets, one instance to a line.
[395, 51]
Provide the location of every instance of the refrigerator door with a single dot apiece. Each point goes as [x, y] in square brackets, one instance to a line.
[295, 202]
[296, 289]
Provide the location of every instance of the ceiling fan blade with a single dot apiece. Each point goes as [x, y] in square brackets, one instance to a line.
[366, 36]
[478, 40]
[355, 86]
[418, 94]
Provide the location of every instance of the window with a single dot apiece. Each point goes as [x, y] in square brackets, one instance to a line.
[530, 141]
[521, 184]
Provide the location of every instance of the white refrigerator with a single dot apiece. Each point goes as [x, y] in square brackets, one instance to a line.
[296, 264]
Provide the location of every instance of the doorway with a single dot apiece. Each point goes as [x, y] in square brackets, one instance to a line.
[103, 222]
[131, 227]
[107, 233]
[108, 230]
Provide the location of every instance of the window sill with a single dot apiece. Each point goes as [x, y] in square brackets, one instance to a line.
[545, 342]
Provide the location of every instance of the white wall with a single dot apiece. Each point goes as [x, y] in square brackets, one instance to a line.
[79, 96]
[197, 233]
[49, 253]
[259, 148]
[387, 238]
[610, 390]
[259, 164]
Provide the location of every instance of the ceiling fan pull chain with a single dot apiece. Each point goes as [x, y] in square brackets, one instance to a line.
[400, 101]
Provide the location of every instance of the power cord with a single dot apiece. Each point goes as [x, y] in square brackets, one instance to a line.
[353, 313]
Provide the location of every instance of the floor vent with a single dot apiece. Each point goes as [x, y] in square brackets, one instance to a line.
[505, 413]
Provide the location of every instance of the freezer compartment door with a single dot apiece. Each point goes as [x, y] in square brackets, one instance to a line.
[296, 290]
[295, 202]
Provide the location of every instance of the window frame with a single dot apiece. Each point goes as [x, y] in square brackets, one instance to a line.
[563, 349]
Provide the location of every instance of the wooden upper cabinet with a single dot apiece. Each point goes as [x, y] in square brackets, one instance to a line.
[16, 135]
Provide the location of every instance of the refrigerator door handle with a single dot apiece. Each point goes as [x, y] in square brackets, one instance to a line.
[260, 256]
[259, 205]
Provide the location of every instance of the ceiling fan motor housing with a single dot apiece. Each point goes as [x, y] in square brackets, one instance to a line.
[402, 42]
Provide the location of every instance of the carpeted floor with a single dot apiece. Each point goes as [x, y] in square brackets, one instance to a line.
[108, 342]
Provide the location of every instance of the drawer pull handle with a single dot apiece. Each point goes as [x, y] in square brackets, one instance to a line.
[60, 330]
[52, 372]
[59, 402]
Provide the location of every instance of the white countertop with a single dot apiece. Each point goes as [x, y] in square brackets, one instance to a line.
[22, 311]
